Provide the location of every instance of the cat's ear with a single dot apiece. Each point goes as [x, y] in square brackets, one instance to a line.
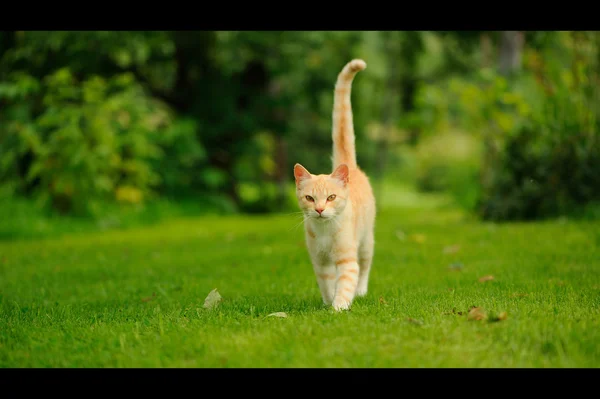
[341, 173]
[300, 173]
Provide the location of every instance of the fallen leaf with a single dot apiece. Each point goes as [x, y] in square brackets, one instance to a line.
[418, 238]
[486, 278]
[456, 266]
[477, 313]
[278, 314]
[213, 299]
[499, 317]
[502, 316]
[414, 321]
[149, 298]
[451, 249]
[382, 301]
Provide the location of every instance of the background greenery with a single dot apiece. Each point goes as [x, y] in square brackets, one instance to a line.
[103, 125]
[141, 170]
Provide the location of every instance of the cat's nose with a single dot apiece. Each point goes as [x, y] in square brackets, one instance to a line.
[319, 210]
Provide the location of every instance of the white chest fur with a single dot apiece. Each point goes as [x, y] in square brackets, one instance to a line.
[324, 235]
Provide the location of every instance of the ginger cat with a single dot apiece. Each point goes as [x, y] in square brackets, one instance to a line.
[339, 208]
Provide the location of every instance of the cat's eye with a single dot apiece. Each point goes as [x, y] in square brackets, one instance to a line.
[331, 197]
[309, 198]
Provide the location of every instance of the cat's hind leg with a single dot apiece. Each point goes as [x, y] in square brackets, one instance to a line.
[365, 260]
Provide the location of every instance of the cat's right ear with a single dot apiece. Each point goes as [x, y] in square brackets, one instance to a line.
[300, 173]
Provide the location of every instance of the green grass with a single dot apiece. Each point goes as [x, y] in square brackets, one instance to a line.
[134, 298]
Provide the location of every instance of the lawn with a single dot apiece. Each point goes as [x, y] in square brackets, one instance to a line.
[135, 297]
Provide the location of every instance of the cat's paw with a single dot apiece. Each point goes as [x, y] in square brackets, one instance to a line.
[340, 304]
[361, 291]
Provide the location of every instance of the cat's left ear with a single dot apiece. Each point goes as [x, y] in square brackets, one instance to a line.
[341, 173]
[300, 173]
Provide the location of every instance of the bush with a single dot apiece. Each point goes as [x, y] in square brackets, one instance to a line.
[93, 140]
[544, 175]
[550, 165]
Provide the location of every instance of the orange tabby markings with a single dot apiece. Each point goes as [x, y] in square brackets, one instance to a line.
[345, 260]
[341, 250]
[340, 217]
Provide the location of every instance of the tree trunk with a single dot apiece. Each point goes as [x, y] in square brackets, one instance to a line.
[511, 50]
[486, 50]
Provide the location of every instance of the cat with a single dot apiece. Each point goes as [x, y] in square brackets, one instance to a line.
[339, 208]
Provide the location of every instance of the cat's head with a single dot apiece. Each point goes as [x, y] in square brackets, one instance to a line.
[322, 196]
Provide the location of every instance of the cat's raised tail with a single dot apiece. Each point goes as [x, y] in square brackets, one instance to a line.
[344, 151]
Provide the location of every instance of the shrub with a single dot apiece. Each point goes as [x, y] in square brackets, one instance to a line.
[90, 140]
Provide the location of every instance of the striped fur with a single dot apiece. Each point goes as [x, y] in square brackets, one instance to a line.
[339, 208]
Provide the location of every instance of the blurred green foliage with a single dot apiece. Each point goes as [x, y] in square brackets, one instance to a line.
[537, 130]
[91, 118]
[550, 163]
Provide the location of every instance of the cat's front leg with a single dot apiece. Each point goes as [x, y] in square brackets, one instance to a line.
[326, 276]
[346, 278]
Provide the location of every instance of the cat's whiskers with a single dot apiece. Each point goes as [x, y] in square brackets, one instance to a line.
[304, 219]
[337, 222]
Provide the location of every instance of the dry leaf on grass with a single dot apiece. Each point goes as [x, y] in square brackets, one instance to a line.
[456, 266]
[149, 298]
[382, 301]
[278, 314]
[486, 278]
[451, 249]
[213, 299]
[501, 316]
[414, 321]
[477, 313]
